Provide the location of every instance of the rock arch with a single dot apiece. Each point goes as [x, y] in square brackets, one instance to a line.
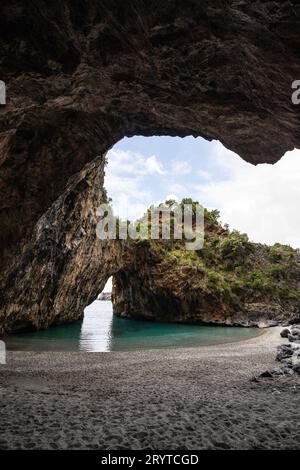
[81, 75]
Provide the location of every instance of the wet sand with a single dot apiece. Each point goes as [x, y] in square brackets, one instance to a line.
[197, 398]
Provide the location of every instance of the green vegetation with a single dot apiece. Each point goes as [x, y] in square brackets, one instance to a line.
[258, 280]
[235, 249]
[185, 257]
[281, 253]
[212, 219]
[231, 266]
[218, 283]
[105, 198]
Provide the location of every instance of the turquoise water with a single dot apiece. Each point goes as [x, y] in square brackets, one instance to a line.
[100, 331]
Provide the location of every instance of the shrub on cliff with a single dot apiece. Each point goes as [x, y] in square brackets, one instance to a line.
[217, 283]
[281, 253]
[259, 281]
[212, 219]
[234, 249]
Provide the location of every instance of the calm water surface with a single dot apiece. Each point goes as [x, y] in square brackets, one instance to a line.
[100, 331]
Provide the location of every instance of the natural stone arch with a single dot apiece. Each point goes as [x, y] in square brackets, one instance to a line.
[81, 75]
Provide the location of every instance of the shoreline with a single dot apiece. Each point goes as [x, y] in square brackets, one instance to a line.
[38, 341]
[189, 398]
[259, 332]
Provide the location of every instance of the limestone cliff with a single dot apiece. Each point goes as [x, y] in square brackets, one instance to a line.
[81, 75]
[231, 281]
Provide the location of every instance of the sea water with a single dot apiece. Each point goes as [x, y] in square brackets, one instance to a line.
[101, 331]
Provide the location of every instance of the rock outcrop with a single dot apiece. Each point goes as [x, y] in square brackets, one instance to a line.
[82, 74]
[106, 296]
[60, 261]
[231, 281]
[288, 355]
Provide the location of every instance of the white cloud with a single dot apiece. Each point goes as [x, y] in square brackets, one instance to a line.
[204, 175]
[262, 201]
[177, 188]
[124, 180]
[132, 163]
[154, 166]
[181, 167]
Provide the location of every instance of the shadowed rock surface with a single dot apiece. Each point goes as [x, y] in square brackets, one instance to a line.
[288, 355]
[81, 75]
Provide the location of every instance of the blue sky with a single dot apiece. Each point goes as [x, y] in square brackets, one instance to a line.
[262, 201]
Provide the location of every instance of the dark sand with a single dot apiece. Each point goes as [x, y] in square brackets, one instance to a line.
[169, 399]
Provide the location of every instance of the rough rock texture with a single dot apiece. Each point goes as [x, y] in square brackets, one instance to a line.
[106, 296]
[171, 293]
[231, 281]
[63, 266]
[288, 355]
[82, 74]
[60, 261]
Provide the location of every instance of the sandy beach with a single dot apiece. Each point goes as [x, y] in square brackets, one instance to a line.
[198, 398]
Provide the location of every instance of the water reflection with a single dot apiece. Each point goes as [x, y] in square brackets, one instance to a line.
[97, 327]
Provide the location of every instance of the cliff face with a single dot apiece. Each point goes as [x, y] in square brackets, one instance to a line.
[59, 261]
[81, 75]
[231, 281]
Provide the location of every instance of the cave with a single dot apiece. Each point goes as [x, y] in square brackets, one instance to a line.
[82, 75]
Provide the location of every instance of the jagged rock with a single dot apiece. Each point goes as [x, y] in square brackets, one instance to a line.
[294, 337]
[289, 356]
[296, 368]
[82, 75]
[284, 351]
[285, 333]
[274, 373]
[288, 371]
[104, 296]
[278, 372]
[174, 285]
[266, 374]
[288, 362]
[295, 330]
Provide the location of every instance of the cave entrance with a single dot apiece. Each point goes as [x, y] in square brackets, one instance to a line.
[142, 171]
[118, 71]
[62, 269]
[105, 294]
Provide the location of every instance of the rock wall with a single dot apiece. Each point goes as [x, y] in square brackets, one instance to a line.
[60, 262]
[173, 285]
[170, 297]
[82, 74]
